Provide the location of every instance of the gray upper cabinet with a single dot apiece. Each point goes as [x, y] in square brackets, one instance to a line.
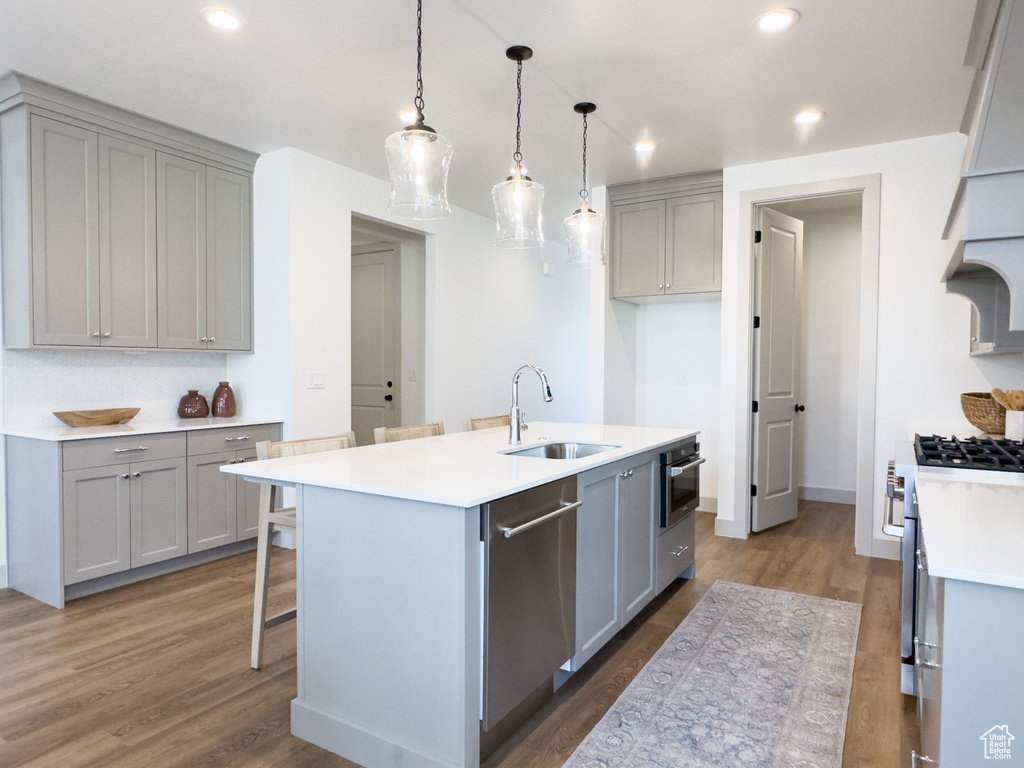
[119, 231]
[666, 237]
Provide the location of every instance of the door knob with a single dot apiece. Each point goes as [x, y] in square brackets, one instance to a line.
[798, 408]
[389, 398]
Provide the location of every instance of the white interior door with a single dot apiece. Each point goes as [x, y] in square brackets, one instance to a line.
[778, 268]
[375, 342]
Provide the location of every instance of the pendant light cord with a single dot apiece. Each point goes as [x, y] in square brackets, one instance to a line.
[418, 101]
[583, 191]
[518, 156]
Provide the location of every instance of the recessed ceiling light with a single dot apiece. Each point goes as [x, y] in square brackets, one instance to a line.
[644, 147]
[773, 21]
[808, 117]
[222, 18]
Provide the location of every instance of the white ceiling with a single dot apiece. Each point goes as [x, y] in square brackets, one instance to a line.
[695, 76]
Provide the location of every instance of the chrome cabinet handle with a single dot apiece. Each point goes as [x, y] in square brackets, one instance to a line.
[679, 552]
[136, 474]
[131, 450]
[916, 759]
[212, 339]
[627, 473]
[96, 335]
[677, 471]
[125, 475]
[510, 532]
[235, 439]
[919, 556]
[918, 661]
[667, 286]
[204, 339]
[106, 335]
[661, 287]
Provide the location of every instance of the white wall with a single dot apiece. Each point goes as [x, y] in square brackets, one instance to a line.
[678, 351]
[487, 310]
[922, 359]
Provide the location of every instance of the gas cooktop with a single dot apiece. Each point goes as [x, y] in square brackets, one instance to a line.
[969, 453]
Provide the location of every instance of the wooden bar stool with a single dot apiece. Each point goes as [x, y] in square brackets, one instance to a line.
[283, 519]
[394, 434]
[489, 422]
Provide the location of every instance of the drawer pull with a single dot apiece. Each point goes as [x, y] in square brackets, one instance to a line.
[136, 474]
[125, 475]
[131, 450]
[234, 439]
[680, 551]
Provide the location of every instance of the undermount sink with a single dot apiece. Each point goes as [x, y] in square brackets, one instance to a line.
[563, 450]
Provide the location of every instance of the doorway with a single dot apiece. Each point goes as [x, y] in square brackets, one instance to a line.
[804, 442]
[737, 374]
[388, 327]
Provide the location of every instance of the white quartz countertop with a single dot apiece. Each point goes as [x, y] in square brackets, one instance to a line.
[136, 426]
[973, 526]
[461, 469]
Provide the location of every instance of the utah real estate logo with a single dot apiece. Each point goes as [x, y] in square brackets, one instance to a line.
[997, 742]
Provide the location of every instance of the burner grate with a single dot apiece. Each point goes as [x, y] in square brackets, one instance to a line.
[969, 453]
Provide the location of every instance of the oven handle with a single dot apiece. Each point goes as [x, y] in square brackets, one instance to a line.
[677, 471]
[893, 492]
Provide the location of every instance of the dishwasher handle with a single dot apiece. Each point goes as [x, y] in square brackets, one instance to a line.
[510, 532]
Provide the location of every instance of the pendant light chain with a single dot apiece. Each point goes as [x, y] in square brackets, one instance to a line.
[518, 156]
[583, 191]
[418, 101]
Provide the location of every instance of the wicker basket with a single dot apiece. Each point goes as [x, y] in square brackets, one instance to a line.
[984, 412]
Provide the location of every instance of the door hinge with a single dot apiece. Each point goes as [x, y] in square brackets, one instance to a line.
[753, 490]
[757, 321]
[757, 235]
[755, 406]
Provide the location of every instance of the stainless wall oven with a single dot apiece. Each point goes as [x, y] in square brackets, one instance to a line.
[900, 498]
[680, 482]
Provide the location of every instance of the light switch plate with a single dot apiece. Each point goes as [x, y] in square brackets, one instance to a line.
[315, 380]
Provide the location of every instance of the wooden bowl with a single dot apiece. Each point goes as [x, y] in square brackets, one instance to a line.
[99, 418]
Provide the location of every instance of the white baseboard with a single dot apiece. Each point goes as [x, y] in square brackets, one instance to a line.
[733, 529]
[3, 576]
[832, 495]
[708, 504]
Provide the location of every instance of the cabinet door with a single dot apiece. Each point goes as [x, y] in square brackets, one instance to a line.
[597, 575]
[636, 526]
[127, 237]
[693, 260]
[65, 238]
[228, 260]
[638, 249]
[181, 252]
[159, 510]
[248, 498]
[97, 522]
[212, 502]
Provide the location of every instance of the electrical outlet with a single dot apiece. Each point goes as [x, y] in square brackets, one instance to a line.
[412, 375]
[315, 380]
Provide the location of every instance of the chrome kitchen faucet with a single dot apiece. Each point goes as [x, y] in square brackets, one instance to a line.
[517, 419]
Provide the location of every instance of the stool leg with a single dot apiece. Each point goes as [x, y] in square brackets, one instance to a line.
[259, 612]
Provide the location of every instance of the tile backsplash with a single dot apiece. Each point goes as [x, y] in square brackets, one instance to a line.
[37, 382]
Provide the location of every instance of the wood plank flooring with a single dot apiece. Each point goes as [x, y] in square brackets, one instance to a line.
[157, 673]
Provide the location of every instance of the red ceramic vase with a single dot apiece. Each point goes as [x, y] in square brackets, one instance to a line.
[223, 400]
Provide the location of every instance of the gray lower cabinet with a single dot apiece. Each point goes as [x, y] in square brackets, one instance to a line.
[969, 668]
[666, 237]
[123, 516]
[674, 551]
[119, 231]
[614, 550]
[79, 510]
[222, 508]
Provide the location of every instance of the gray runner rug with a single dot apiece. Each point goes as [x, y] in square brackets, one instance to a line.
[752, 678]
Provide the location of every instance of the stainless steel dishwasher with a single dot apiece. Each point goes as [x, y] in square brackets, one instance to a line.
[530, 590]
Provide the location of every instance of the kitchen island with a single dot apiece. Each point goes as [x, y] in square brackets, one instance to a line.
[968, 658]
[390, 581]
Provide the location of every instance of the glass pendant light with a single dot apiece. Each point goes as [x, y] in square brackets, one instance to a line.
[418, 157]
[584, 230]
[517, 200]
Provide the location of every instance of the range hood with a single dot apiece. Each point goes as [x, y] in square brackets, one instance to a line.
[985, 229]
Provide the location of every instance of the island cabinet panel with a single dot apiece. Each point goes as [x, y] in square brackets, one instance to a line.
[666, 237]
[119, 231]
[97, 522]
[614, 550]
[159, 507]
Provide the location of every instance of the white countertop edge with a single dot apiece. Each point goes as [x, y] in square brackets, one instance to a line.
[144, 427]
[509, 474]
[977, 577]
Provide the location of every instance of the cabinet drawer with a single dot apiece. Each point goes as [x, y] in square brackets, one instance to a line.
[202, 441]
[103, 451]
[675, 550]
